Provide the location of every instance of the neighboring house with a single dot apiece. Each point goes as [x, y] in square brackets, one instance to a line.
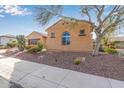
[35, 37]
[118, 41]
[4, 39]
[66, 35]
[116, 38]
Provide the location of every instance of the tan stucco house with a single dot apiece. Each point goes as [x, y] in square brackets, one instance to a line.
[66, 35]
[35, 37]
[116, 38]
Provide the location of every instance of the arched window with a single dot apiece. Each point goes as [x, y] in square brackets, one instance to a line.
[66, 38]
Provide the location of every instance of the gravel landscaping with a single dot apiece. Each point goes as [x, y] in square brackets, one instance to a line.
[111, 66]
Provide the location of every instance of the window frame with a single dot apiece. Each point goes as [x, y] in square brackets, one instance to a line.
[33, 40]
[53, 34]
[66, 39]
[82, 34]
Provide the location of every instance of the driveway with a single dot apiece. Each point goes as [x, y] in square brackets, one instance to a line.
[20, 73]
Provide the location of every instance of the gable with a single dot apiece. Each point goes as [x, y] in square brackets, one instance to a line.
[68, 24]
[34, 35]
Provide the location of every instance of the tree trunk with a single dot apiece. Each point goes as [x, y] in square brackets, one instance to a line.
[97, 46]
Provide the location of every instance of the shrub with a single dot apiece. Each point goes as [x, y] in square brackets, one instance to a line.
[110, 51]
[9, 45]
[13, 43]
[28, 47]
[34, 50]
[21, 42]
[40, 45]
[2, 47]
[77, 61]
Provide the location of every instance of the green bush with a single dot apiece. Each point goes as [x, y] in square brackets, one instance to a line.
[9, 45]
[2, 47]
[28, 47]
[40, 45]
[110, 51]
[77, 61]
[34, 50]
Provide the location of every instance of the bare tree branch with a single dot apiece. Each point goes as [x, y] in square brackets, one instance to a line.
[85, 11]
[111, 12]
[96, 7]
[100, 14]
[111, 25]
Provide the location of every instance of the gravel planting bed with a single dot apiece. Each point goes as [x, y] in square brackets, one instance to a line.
[111, 66]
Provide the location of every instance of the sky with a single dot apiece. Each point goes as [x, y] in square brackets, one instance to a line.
[17, 20]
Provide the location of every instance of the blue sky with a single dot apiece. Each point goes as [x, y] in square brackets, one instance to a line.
[25, 24]
[19, 24]
[17, 20]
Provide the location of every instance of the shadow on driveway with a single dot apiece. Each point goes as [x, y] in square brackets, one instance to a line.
[4, 83]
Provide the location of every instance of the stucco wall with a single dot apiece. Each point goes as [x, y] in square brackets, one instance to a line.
[78, 43]
[35, 35]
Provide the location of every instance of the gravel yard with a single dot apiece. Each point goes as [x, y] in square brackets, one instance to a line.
[111, 66]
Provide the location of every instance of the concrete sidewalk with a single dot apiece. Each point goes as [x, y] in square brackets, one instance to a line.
[34, 75]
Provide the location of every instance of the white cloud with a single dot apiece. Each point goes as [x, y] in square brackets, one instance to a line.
[14, 10]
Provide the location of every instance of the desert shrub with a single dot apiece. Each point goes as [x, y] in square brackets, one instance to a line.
[40, 45]
[34, 50]
[2, 47]
[21, 42]
[110, 51]
[28, 47]
[9, 45]
[77, 61]
[14, 43]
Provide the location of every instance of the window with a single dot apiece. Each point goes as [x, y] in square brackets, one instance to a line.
[33, 41]
[53, 35]
[66, 38]
[82, 32]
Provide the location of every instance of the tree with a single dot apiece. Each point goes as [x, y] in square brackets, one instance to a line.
[103, 18]
[106, 38]
[21, 42]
